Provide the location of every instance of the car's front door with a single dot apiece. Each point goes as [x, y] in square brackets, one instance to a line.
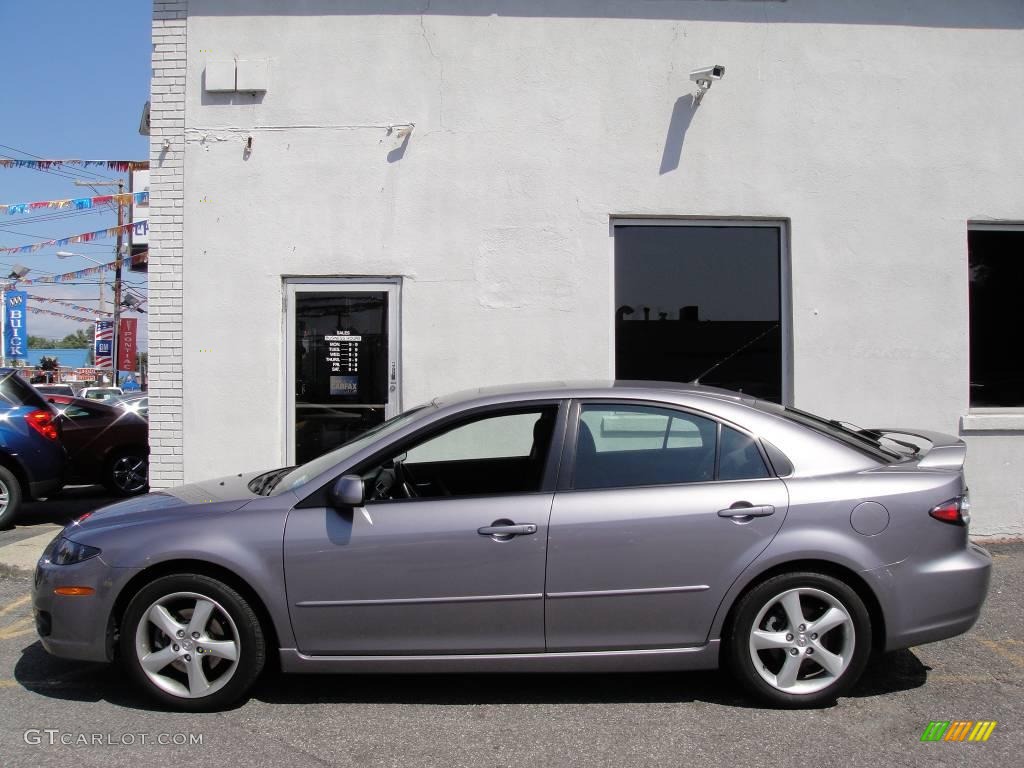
[426, 566]
[664, 509]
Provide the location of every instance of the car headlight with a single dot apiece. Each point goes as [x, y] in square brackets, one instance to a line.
[68, 552]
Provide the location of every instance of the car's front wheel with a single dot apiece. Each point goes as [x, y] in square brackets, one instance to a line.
[800, 639]
[192, 642]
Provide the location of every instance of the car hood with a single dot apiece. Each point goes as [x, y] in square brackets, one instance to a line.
[222, 494]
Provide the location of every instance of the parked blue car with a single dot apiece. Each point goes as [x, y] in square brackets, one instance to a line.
[32, 458]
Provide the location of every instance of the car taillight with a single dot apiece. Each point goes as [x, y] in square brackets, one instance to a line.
[43, 423]
[955, 511]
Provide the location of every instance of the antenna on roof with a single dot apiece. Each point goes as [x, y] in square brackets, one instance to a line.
[730, 357]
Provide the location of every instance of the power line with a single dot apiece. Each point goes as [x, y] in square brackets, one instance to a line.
[52, 171]
[77, 172]
[57, 215]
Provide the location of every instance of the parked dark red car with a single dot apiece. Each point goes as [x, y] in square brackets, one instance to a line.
[105, 444]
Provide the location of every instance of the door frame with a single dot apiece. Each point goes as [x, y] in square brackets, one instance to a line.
[291, 286]
[785, 276]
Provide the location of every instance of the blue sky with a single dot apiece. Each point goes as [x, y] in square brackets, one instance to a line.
[76, 76]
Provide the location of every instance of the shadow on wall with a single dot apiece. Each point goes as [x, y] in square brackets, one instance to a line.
[682, 115]
[978, 14]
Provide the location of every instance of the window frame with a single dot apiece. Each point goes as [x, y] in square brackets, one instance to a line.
[987, 417]
[567, 474]
[784, 227]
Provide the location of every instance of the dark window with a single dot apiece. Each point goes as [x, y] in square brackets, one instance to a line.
[700, 301]
[15, 392]
[996, 264]
[76, 412]
[341, 368]
[621, 446]
[498, 453]
[740, 458]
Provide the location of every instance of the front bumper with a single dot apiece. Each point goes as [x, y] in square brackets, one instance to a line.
[78, 627]
[924, 600]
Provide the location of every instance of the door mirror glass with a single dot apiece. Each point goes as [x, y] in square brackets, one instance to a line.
[347, 491]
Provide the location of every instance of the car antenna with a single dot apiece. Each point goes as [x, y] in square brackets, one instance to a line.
[736, 352]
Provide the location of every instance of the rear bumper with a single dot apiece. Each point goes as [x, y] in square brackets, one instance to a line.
[928, 600]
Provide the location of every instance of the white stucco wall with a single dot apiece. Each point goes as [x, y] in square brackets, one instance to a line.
[876, 132]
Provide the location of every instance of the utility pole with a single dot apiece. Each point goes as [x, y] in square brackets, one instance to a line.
[117, 267]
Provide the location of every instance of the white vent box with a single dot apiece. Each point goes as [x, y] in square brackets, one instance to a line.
[220, 76]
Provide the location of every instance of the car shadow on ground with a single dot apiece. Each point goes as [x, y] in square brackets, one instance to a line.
[71, 502]
[48, 676]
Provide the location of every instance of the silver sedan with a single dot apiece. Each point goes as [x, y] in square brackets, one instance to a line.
[587, 527]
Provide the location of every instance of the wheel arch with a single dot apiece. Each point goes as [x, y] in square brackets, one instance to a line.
[124, 450]
[826, 567]
[204, 568]
[14, 466]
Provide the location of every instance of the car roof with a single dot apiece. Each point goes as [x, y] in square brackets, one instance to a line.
[589, 389]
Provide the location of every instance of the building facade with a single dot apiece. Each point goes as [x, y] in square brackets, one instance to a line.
[358, 206]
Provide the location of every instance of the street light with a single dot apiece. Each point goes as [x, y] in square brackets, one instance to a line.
[133, 303]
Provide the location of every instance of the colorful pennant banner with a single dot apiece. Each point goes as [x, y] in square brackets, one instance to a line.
[140, 227]
[139, 258]
[41, 311]
[80, 203]
[121, 166]
[77, 307]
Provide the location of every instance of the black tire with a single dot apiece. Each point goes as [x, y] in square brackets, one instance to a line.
[126, 473]
[247, 633]
[813, 684]
[10, 489]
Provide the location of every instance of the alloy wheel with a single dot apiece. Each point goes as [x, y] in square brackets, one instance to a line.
[187, 645]
[802, 640]
[130, 474]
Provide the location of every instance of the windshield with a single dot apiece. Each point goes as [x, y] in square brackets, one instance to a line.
[863, 440]
[302, 474]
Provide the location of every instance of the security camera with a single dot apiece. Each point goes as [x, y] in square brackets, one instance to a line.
[703, 77]
[707, 74]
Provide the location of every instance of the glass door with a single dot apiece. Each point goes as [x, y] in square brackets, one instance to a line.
[342, 347]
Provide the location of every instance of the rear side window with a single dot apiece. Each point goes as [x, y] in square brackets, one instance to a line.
[740, 458]
[621, 446]
[14, 393]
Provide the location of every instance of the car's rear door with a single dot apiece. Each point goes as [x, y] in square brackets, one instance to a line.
[656, 514]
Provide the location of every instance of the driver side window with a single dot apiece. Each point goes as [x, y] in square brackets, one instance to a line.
[497, 453]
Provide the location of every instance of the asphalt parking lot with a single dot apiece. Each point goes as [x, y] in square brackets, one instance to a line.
[57, 711]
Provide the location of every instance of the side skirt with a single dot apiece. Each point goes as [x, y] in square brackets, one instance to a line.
[654, 660]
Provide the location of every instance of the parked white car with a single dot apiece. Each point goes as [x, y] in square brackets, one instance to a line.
[101, 393]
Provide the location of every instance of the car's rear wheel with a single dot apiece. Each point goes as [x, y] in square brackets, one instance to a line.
[10, 497]
[800, 640]
[192, 642]
[127, 473]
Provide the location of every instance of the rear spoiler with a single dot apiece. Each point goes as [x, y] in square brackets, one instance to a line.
[938, 451]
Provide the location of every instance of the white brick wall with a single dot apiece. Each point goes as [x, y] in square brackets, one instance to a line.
[166, 198]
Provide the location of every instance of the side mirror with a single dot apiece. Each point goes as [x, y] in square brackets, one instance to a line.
[348, 491]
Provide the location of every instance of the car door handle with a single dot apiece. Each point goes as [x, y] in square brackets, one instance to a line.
[507, 530]
[748, 511]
